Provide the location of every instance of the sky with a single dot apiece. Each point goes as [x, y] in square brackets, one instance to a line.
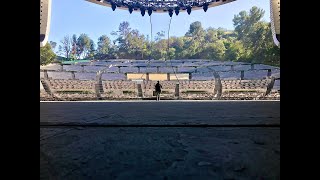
[70, 17]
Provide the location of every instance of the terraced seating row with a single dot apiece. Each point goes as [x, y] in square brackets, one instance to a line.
[182, 84]
[122, 85]
[119, 89]
[241, 95]
[75, 96]
[119, 95]
[197, 96]
[192, 85]
[62, 84]
[245, 84]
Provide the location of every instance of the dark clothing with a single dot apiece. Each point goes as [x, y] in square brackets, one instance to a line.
[158, 90]
[158, 87]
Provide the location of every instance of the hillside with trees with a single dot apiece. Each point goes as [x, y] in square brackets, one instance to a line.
[250, 41]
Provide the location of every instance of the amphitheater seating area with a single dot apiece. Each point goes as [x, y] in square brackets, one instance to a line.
[84, 89]
[119, 89]
[239, 80]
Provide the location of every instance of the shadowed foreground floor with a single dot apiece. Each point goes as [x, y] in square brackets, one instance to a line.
[193, 140]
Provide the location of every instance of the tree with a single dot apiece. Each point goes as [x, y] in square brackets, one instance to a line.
[83, 45]
[171, 53]
[273, 56]
[251, 41]
[103, 47]
[211, 35]
[65, 48]
[263, 47]
[136, 44]
[244, 24]
[236, 52]
[256, 37]
[178, 44]
[46, 54]
[113, 52]
[124, 29]
[195, 42]
[195, 30]
[92, 50]
[130, 43]
[121, 40]
[160, 50]
[74, 49]
[122, 33]
[215, 51]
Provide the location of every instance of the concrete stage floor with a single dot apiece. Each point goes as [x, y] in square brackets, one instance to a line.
[160, 140]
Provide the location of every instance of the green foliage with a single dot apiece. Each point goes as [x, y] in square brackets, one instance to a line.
[216, 50]
[74, 49]
[46, 54]
[83, 45]
[250, 41]
[103, 47]
[256, 38]
[92, 50]
[235, 51]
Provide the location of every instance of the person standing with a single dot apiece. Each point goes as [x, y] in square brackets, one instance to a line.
[158, 90]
